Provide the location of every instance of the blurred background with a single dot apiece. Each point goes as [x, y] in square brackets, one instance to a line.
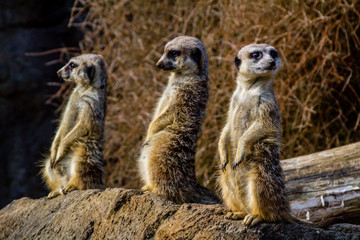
[318, 88]
[27, 117]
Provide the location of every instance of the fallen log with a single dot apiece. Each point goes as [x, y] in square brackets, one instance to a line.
[325, 186]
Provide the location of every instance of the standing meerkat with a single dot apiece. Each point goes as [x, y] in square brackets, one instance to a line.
[166, 162]
[251, 179]
[76, 159]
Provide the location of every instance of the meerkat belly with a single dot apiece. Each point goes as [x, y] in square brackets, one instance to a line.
[147, 163]
[243, 111]
[237, 184]
[64, 167]
[152, 142]
[241, 119]
[69, 120]
[144, 163]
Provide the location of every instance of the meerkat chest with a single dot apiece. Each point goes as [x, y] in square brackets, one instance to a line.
[243, 109]
[165, 99]
[76, 103]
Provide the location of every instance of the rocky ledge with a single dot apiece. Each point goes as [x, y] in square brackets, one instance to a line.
[117, 213]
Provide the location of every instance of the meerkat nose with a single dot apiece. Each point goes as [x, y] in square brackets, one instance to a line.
[272, 63]
[160, 65]
[59, 73]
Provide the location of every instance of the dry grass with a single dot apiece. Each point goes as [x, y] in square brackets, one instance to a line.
[318, 88]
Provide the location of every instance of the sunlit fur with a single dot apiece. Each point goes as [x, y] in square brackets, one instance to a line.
[251, 178]
[166, 163]
[76, 158]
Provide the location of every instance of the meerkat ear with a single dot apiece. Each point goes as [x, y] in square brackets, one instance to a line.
[237, 62]
[89, 72]
[196, 55]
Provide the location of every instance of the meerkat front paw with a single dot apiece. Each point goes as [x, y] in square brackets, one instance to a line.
[60, 154]
[223, 166]
[53, 163]
[252, 220]
[53, 159]
[237, 163]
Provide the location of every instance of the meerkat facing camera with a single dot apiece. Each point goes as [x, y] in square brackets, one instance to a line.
[166, 162]
[251, 179]
[76, 159]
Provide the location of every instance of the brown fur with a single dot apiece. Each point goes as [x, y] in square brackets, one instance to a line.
[76, 159]
[166, 163]
[251, 179]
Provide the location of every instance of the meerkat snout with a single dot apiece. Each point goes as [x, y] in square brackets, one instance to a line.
[160, 65]
[272, 65]
[66, 71]
[167, 61]
[63, 74]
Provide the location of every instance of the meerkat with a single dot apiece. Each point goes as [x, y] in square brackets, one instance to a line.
[251, 179]
[76, 159]
[166, 162]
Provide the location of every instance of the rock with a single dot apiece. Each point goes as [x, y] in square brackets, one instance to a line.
[129, 214]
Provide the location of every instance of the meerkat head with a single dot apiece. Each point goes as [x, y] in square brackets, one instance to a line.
[184, 55]
[86, 69]
[257, 60]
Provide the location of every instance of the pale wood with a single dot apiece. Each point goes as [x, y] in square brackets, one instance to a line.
[325, 186]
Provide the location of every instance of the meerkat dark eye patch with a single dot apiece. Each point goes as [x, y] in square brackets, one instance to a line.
[73, 65]
[273, 53]
[173, 54]
[196, 55]
[256, 55]
[89, 71]
[237, 62]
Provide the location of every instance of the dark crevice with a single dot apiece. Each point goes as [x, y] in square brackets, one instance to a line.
[90, 231]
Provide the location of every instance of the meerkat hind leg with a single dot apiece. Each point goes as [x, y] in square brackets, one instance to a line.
[54, 194]
[235, 215]
[146, 189]
[75, 182]
[69, 188]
